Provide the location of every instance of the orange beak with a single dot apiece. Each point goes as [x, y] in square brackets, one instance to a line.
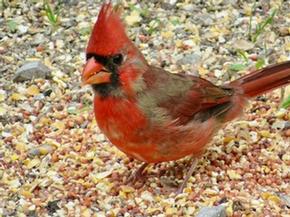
[95, 73]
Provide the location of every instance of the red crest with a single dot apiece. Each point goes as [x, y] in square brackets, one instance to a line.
[109, 33]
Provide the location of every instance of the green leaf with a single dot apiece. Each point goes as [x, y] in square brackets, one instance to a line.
[237, 67]
[260, 63]
[145, 12]
[286, 103]
[132, 7]
[243, 54]
[175, 21]
[153, 26]
[12, 25]
[72, 110]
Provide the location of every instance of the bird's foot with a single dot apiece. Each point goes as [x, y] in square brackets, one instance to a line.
[136, 175]
[188, 175]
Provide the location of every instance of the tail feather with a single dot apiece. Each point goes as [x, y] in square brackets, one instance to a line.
[264, 80]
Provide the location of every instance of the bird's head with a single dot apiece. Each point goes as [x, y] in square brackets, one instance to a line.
[113, 61]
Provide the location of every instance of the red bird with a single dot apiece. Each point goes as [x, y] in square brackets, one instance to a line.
[153, 115]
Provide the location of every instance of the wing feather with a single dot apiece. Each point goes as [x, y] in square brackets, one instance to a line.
[182, 97]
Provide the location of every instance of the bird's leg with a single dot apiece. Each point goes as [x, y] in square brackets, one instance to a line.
[137, 174]
[188, 175]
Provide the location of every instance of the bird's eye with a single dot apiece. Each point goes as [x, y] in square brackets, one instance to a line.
[118, 59]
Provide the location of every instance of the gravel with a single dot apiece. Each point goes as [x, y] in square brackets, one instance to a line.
[54, 161]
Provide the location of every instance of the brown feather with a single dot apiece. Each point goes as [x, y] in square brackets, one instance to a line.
[263, 80]
[180, 96]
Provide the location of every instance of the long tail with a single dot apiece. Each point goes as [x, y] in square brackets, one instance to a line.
[263, 80]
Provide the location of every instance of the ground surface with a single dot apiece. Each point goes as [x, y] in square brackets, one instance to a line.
[55, 162]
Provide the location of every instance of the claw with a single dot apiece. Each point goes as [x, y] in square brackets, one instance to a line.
[137, 175]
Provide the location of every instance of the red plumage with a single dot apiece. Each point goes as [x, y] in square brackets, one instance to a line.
[109, 34]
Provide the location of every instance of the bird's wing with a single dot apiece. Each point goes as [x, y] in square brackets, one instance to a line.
[182, 97]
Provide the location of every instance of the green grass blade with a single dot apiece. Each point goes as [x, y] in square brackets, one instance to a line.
[237, 67]
[286, 103]
[260, 63]
[261, 26]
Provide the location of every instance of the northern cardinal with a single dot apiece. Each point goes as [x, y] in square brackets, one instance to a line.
[153, 115]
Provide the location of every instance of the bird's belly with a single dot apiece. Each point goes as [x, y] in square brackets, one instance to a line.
[168, 144]
[127, 128]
